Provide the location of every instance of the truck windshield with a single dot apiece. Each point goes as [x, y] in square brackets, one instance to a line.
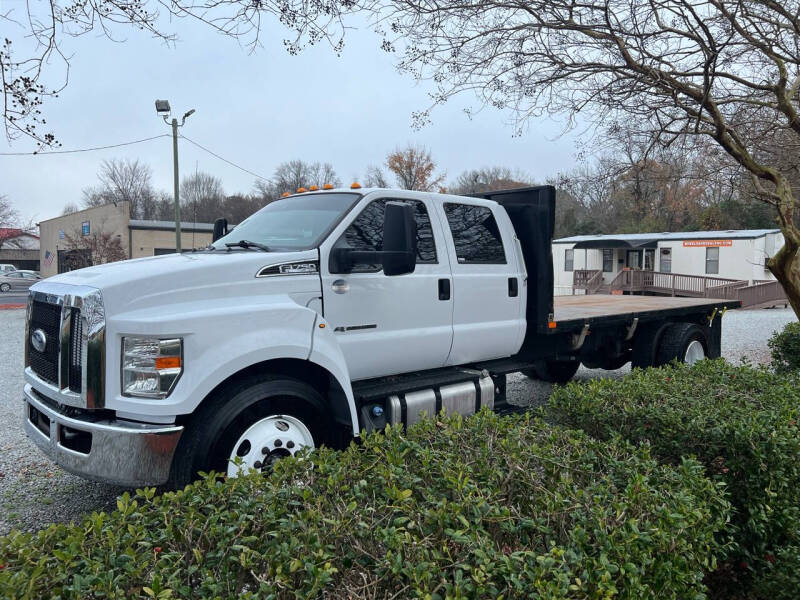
[295, 223]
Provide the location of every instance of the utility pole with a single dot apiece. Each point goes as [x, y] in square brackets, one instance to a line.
[177, 185]
[163, 109]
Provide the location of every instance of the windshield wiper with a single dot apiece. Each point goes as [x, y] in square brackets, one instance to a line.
[247, 244]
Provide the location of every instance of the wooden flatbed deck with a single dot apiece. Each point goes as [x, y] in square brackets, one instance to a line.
[571, 310]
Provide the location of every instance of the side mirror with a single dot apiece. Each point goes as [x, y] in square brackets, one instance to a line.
[399, 255]
[220, 229]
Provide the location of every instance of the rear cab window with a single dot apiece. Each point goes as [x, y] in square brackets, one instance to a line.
[476, 235]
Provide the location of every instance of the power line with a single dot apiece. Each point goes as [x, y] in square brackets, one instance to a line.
[155, 137]
[233, 164]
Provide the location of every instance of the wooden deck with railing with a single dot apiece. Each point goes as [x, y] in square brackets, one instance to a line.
[759, 293]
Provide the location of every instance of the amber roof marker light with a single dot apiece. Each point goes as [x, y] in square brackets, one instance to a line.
[313, 188]
[355, 186]
[327, 186]
[301, 190]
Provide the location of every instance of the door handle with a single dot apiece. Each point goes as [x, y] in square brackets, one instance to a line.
[444, 289]
[340, 286]
[513, 287]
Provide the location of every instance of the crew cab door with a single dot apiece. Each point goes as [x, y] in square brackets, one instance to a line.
[387, 325]
[489, 283]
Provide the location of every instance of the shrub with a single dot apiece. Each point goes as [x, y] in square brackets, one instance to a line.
[479, 507]
[785, 347]
[741, 423]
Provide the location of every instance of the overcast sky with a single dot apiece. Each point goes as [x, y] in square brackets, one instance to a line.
[256, 110]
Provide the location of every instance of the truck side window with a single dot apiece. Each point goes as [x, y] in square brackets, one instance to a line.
[366, 233]
[475, 234]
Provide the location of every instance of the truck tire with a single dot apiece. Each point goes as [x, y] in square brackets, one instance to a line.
[556, 371]
[260, 419]
[646, 345]
[684, 342]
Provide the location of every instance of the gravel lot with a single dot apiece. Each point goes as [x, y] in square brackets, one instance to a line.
[35, 492]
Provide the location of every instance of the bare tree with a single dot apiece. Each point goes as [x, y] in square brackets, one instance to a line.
[9, 216]
[414, 168]
[123, 180]
[486, 179]
[294, 174]
[375, 177]
[725, 69]
[97, 248]
[69, 208]
[201, 196]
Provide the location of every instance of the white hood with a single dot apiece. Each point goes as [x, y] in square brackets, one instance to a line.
[176, 278]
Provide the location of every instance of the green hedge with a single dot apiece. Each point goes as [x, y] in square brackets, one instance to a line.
[785, 347]
[483, 507]
[741, 423]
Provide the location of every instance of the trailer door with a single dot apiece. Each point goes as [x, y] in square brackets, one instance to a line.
[489, 289]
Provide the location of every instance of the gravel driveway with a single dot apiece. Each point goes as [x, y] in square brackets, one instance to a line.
[35, 492]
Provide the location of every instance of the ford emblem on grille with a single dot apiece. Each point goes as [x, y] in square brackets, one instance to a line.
[38, 340]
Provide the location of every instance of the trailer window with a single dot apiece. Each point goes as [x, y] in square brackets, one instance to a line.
[608, 260]
[366, 233]
[712, 261]
[475, 234]
[665, 265]
[569, 260]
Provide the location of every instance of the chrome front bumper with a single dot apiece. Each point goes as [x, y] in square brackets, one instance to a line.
[113, 451]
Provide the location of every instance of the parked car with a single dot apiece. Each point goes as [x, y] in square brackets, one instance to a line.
[17, 280]
[6, 268]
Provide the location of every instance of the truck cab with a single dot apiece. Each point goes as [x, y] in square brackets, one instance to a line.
[322, 315]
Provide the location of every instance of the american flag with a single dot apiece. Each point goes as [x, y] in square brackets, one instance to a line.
[48, 258]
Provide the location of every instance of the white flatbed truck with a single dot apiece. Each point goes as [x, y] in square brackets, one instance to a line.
[322, 315]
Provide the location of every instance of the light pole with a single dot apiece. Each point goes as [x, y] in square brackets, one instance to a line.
[163, 109]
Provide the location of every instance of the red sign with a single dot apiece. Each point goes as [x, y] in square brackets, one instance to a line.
[706, 243]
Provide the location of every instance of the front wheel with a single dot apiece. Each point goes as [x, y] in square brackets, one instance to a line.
[4, 287]
[258, 419]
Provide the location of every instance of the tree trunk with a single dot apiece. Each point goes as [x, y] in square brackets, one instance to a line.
[785, 265]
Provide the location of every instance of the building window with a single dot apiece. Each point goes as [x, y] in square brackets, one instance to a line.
[712, 261]
[569, 260]
[475, 234]
[366, 233]
[665, 264]
[608, 260]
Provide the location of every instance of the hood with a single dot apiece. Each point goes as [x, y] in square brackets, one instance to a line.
[175, 278]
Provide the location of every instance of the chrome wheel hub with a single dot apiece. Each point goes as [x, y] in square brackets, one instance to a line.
[267, 441]
[694, 353]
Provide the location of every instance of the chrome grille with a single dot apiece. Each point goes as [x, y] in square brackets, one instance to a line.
[75, 354]
[46, 317]
[72, 365]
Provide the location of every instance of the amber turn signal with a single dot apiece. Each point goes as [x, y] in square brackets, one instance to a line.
[168, 362]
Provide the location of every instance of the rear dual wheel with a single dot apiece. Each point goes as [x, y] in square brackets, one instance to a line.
[684, 342]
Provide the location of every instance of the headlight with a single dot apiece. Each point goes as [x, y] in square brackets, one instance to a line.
[150, 366]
